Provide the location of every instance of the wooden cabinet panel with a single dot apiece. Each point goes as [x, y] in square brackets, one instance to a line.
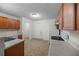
[3, 23]
[16, 50]
[77, 14]
[17, 24]
[69, 16]
[8, 23]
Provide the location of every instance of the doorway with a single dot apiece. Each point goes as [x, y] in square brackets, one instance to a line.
[38, 44]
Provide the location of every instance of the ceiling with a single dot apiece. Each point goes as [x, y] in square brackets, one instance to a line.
[46, 10]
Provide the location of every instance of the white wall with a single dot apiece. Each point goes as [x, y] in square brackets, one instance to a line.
[26, 27]
[44, 29]
[39, 28]
[53, 30]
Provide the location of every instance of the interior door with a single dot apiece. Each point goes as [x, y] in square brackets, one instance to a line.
[41, 29]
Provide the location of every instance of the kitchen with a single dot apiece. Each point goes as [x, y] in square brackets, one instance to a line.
[53, 26]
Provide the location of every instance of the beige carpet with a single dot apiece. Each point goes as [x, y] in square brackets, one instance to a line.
[36, 47]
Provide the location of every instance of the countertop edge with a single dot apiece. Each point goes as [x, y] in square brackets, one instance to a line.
[12, 43]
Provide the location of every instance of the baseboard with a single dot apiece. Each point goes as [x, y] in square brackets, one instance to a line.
[26, 37]
[75, 45]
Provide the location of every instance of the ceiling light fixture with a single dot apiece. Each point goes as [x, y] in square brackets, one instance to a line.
[35, 15]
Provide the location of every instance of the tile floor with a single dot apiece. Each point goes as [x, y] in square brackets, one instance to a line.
[36, 47]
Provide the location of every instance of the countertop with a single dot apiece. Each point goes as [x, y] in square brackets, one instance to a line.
[62, 48]
[12, 43]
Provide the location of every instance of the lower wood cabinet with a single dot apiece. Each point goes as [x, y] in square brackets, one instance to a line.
[16, 50]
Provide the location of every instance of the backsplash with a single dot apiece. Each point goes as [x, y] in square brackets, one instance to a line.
[73, 38]
[8, 32]
[65, 35]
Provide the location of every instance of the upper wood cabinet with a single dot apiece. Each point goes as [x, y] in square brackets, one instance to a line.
[8, 23]
[69, 16]
[3, 22]
[77, 14]
[17, 24]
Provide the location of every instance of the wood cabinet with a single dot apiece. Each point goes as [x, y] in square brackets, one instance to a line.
[3, 22]
[8, 23]
[77, 14]
[17, 24]
[16, 50]
[67, 17]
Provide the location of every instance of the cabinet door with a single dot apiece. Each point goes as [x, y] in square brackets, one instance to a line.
[69, 16]
[8, 23]
[14, 24]
[77, 16]
[16, 50]
[3, 23]
[17, 24]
